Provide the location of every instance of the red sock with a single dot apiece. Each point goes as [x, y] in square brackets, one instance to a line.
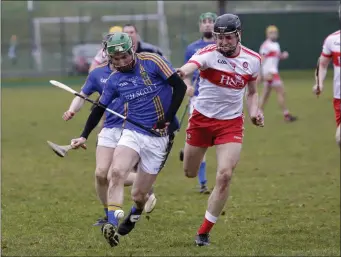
[205, 227]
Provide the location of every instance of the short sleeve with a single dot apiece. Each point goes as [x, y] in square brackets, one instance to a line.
[201, 57]
[326, 49]
[256, 69]
[110, 90]
[90, 85]
[162, 67]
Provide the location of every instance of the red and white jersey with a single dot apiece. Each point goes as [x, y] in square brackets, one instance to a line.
[331, 48]
[223, 80]
[271, 52]
[100, 57]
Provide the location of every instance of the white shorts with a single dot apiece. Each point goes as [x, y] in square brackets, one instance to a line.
[152, 150]
[191, 105]
[109, 137]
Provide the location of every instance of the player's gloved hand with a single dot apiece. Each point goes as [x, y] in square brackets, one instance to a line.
[161, 126]
[78, 142]
[258, 120]
[68, 115]
[317, 90]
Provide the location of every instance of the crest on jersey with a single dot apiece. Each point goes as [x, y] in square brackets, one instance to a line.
[144, 75]
[245, 65]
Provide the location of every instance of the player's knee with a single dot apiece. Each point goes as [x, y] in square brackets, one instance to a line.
[116, 175]
[224, 177]
[101, 173]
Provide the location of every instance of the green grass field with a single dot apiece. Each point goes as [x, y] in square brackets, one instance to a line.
[285, 196]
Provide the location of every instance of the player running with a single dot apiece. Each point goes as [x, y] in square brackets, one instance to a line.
[153, 93]
[107, 138]
[271, 55]
[331, 51]
[206, 22]
[101, 57]
[226, 68]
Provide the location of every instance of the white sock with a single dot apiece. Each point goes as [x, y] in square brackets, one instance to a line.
[210, 217]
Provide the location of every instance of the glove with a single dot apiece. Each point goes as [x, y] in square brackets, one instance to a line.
[161, 125]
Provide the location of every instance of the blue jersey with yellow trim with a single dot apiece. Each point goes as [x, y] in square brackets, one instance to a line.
[144, 88]
[191, 50]
[95, 83]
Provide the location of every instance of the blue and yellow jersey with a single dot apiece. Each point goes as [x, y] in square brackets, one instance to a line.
[95, 83]
[191, 50]
[144, 89]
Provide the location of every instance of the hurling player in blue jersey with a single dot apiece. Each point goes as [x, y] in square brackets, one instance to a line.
[107, 138]
[153, 92]
[206, 23]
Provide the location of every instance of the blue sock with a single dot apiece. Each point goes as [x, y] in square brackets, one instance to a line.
[112, 219]
[111, 213]
[202, 174]
[106, 211]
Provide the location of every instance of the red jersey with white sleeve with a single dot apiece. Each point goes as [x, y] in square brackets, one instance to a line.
[100, 57]
[271, 52]
[331, 48]
[223, 80]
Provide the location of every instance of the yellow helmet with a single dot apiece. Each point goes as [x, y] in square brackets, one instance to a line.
[114, 29]
[271, 28]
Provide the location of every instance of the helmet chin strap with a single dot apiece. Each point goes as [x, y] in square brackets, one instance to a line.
[128, 67]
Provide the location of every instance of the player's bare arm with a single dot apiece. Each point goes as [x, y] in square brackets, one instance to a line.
[187, 70]
[321, 75]
[190, 88]
[75, 106]
[91, 123]
[252, 104]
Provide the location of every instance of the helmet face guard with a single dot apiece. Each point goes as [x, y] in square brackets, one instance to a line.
[227, 49]
[119, 49]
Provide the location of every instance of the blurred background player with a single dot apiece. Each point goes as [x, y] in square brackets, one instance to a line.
[331, 51]
[271, 54]
[206, 23]
[226, 69]
[12, 51]
[107, 138]
[101, 57]
[139, 45]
